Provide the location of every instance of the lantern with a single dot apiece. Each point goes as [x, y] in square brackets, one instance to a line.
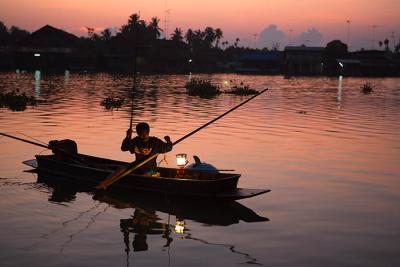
[179, 226]
[181, 160]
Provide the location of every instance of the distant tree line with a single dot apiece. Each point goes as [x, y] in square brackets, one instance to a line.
[147, 32]
[205, 48]
[135, 25]
[9, 36]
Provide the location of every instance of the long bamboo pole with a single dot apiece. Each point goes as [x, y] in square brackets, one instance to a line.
[112, 178]
[76, 157]
[24, 140]
[134, 76]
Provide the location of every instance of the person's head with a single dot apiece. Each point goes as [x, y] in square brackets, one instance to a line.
[143, 130]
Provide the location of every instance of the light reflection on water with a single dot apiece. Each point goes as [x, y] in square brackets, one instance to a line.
[329, 153]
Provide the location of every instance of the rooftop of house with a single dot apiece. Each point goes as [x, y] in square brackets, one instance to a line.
[48, 36]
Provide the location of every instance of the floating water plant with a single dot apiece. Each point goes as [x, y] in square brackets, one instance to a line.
[242, 90]
[112, 102]
[202, 88]
[16, 101]
[367, 88]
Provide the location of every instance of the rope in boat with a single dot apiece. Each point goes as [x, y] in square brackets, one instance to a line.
[40, 141]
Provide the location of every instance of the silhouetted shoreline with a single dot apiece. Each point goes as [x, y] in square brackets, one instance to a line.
[53, 50]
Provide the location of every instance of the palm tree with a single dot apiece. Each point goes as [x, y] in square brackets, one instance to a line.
[189, 36]
[106, 34]
[177, 35]
[209, 36]
[218, 35]
[154, 28]
[386, 42]
[134, 22]
[198, 38]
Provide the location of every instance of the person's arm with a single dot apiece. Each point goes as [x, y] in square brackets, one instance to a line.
[164, 147]
[126, 143]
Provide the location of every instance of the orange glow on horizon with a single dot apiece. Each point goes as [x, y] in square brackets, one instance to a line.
[242, 19]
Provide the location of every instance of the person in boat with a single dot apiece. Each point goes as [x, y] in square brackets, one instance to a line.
[143, 146]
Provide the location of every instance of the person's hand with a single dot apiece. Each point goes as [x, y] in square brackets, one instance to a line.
[168, 139]
[129, 132]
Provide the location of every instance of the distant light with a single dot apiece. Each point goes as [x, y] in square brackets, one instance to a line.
[37, 82]
[37, 75]
[341, 64]
[66, 77]
[37, 55]
[190, 60]
[226, 82]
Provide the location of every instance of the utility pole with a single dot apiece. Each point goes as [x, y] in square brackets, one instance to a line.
[290, 36]
[348, 34]
[166, 21]
[393, 40]
[255, 40]
[373, 35]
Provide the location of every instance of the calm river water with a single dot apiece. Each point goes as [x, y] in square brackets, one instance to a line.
[329, 153]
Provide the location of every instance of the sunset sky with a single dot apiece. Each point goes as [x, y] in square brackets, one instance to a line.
[256, 22]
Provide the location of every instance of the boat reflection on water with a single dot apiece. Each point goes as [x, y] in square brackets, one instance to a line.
[145, 220]
[211, 212]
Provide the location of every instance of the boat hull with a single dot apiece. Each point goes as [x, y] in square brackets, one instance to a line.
[190, 183]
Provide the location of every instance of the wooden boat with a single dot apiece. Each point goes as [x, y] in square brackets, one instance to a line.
[93, 170]
[191, 183]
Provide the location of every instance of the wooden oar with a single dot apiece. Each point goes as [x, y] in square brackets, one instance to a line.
[112, 178]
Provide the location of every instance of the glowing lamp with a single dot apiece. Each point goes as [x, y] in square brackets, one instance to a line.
[36, 55]
[341, 64]
[179, 226]
[181, 160]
